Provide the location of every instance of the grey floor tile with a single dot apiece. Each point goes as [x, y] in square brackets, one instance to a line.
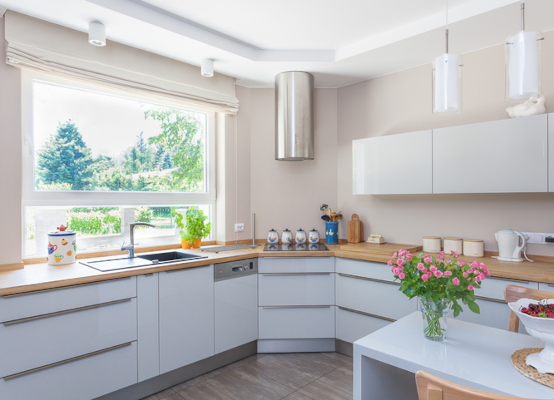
[237, 384]
[322, 390]
[297, 396]
[341, 379]
[338, 356]
[174, 396]
[160, 395]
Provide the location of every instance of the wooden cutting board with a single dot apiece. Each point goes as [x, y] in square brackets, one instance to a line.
[355, 230]
[385, 248]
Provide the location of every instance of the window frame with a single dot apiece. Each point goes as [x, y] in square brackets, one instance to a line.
[45, 198]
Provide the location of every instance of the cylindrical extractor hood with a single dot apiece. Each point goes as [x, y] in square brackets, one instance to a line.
[294, 116]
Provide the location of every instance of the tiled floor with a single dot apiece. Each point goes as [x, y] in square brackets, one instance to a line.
[296, 376]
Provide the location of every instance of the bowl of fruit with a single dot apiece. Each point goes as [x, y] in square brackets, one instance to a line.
[538, 318]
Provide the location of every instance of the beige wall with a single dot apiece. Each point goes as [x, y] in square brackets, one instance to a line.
[287, 194]
[10, 161]
[401, 102]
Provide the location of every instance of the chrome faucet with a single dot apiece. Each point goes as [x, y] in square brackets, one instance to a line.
[131, 246]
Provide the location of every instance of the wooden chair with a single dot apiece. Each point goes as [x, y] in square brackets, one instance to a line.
[514, 293]
[431, 387]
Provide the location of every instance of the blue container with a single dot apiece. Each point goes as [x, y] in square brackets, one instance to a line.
[331, 232]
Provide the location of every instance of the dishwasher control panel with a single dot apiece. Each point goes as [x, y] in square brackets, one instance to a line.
[235, 269]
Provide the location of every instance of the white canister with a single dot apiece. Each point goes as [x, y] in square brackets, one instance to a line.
[272, 236]
[286, 238]
[474, 248]
[62, 246]
[300, 236]
[453, 244]
[313, 236]
[431, 244]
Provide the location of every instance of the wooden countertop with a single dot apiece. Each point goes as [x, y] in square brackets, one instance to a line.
[43, 276]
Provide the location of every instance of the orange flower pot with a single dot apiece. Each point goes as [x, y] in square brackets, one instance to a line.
[197, 243]
[185, 244]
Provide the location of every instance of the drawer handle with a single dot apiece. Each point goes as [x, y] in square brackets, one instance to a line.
[297, 273]
[55, 314]
[275, 307]
[9, 296]
[13, 376]
[509, 279]
[550, 285]
[369, 279]
[489, 299]
[367, 314]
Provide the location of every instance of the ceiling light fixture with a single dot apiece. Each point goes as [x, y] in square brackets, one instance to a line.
[207, 67]
[97, 34]
[447, 76]
[523, 63]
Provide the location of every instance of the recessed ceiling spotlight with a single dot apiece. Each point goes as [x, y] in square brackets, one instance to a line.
[97, 34]
[207, 67]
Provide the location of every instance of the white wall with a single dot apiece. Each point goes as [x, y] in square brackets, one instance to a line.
[10, 160]
[401, 102]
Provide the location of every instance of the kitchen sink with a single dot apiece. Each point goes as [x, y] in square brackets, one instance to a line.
[145, 260]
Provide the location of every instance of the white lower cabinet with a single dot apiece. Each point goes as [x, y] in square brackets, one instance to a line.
[296, 288]
[353, 325]
[186, 316]
[79, 379]
[148, 333]
[310, 322]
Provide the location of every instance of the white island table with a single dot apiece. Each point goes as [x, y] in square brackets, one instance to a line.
[472, 355]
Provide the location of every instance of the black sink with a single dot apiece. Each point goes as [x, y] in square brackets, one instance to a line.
[169, 256]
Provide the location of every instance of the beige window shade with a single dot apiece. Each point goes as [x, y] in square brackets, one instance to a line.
[40, 45]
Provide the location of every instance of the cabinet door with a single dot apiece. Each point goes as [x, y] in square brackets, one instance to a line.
[395, 164]
[297, 289]
[505, 156]
[148, 332]
[353, 325]
[186, 312]
[551, 152]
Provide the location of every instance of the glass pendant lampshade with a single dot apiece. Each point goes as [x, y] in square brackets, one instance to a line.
[523, 65]
[447, 88]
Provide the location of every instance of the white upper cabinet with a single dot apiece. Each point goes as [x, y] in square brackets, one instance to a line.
[395, 164]
[506, 156]
[551, 152]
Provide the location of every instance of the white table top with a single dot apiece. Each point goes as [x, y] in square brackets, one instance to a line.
[472, 355]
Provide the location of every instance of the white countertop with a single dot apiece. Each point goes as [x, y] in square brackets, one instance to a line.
[472, 355]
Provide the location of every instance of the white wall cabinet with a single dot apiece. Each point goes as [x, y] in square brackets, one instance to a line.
[395, 164]
[186, 316]
[506, 156]
[551, 152]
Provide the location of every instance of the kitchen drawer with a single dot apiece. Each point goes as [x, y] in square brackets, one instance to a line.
[296, 264]
[297, 322]
[365, 269]
[493, 314]
[48, 301]
[81, 379]
[296, 289]
[378, 298]
[493, 288]
[353, 325]
[31, 343]
[547, 287]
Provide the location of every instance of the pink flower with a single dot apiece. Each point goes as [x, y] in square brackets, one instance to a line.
[432, 268]
[420, 266]
[424, 270]
[477, 279]
[482, 275]
[395, 271]
[429, 274]
[461, 263]
[474, 264]
[465, 274]
[438, 274]
[488, 273]
[401, 268]
[470, 271]
[441, 253]
[482, 266]
[409, 257]
[394, 256]
[401, 262]
[441, 257]
[427, 260]
[401, 252]
[454, 253]
[448, 273]
[424, 277]
[389, 263]
[401, 275]
[470, 287]
[455, 281]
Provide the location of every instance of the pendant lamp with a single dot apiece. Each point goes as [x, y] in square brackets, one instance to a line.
[447, 76]
[523, 57]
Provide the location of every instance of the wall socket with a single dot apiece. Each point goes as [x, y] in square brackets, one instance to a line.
[239, 227]
[538, 238]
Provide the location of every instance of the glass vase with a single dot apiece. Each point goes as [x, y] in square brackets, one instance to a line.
[434, 314]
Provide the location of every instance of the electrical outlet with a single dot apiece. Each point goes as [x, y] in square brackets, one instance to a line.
[538, 238]
[239, 227]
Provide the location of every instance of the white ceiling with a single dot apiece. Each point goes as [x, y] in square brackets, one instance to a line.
[339, 42]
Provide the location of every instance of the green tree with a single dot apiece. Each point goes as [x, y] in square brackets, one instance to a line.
[167, 163]
[181, 134]
[65, 158]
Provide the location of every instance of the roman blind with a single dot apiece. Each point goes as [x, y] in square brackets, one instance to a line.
[40, 45]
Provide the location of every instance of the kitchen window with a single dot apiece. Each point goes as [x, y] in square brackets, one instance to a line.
[97, 159]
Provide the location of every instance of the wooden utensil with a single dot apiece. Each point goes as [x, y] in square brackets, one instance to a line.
[333, 216]
[355, 230]
[328, 212]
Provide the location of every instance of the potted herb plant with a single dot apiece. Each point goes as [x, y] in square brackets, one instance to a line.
[439, 283]
[194, 228]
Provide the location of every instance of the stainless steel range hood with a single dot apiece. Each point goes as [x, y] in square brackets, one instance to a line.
[294, 116]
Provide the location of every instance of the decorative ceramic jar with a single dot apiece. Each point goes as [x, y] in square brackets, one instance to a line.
[62, 246]
[474, 248]
[313, 236]
[300, 236]
[453, 244]
[300, 246]
[434, 316]
[431, 244]
[331, 232]
[286, 238]
[272, 236]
